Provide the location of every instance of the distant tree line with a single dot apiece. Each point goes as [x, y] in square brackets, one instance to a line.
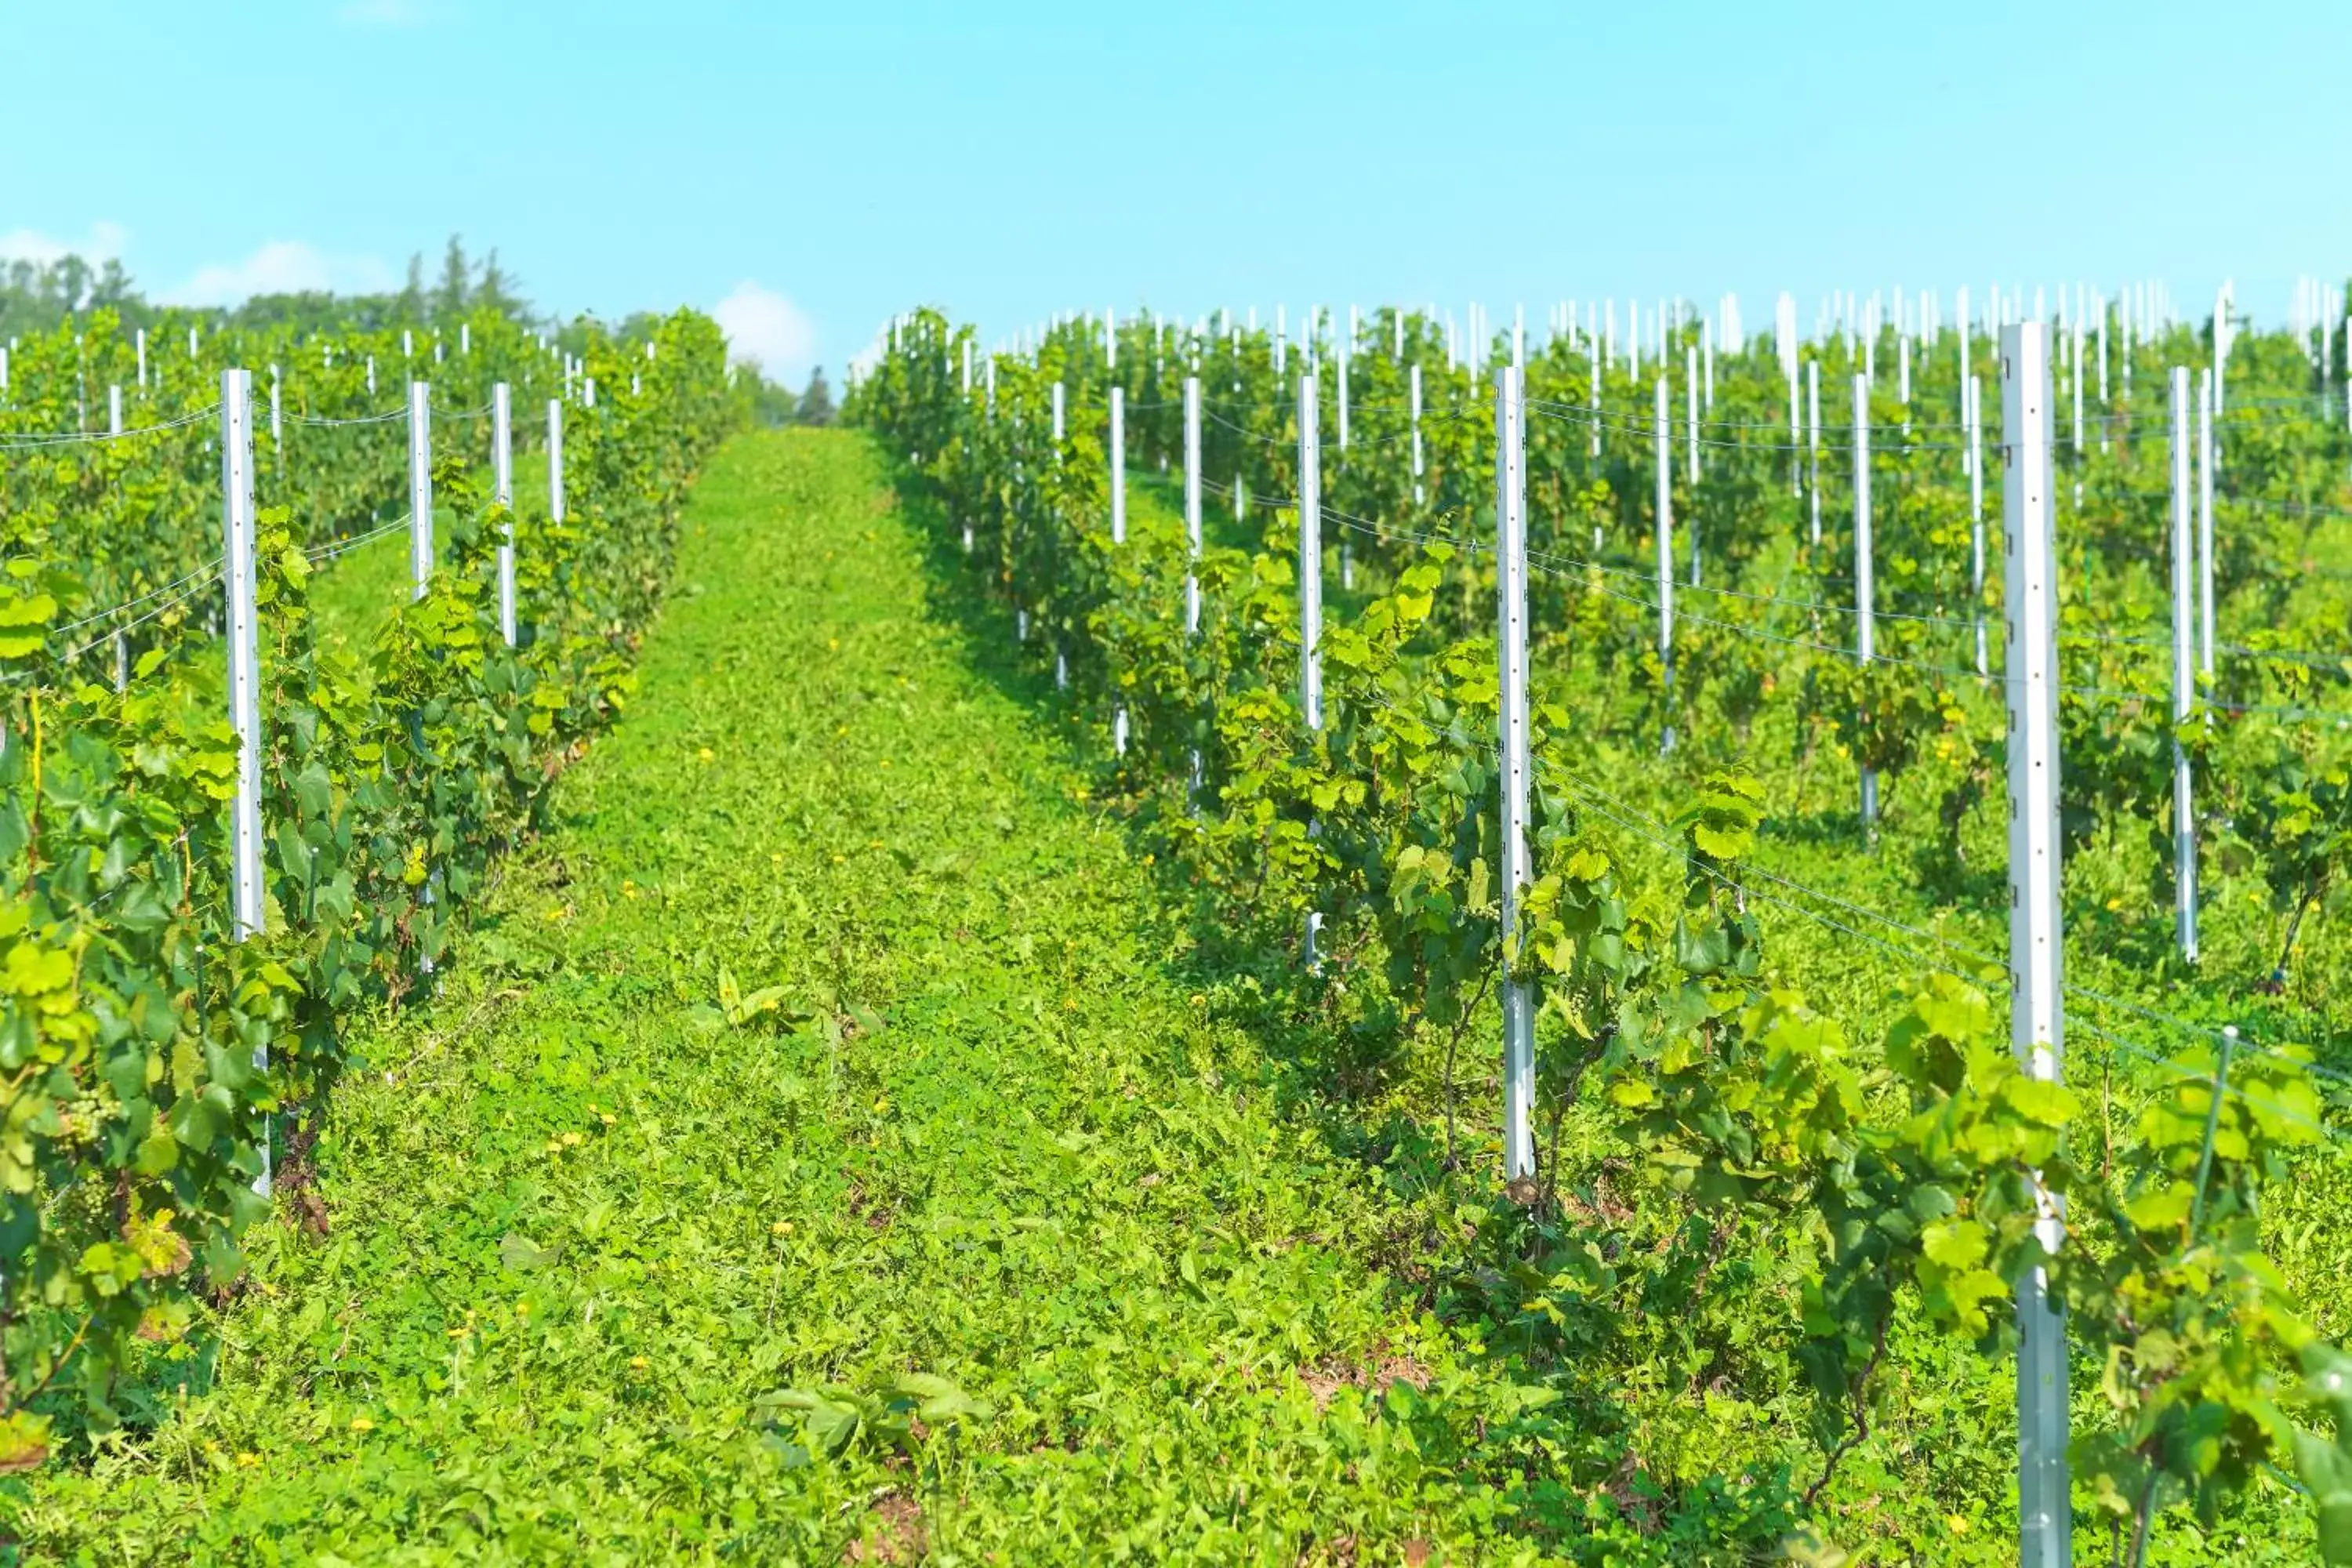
[775, 403]
[36, 296]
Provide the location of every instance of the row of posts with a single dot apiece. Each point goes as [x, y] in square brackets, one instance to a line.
[2191, 526]
[2192, 617]
[246, 882]
[573, 369]
[2030, 684]
[2031, 688]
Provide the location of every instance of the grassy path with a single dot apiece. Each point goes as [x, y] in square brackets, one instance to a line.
[830, 1039]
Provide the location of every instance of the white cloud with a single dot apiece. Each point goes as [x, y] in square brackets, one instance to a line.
[104, 241]
[282, 267]
[765, 328]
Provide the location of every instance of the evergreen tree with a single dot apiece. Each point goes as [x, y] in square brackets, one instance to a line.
[449, 299]
[412, 298]
[496, 290]
[816, 403]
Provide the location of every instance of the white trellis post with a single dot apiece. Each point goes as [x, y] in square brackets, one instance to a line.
[1412, 382]
[1813, 425]
[1865, 631]
[1972, 407]
[2184, 677]
[2205, 520]
[502, 492]
[1347, 555]
[1310, 558]
[143, 359]
[420, 485]
[1191, 505]
[1511, 596]
[1118, 465]
[114, 409]
[2036, 940]
[1310, 593]
[1690, 406]
[248, 900]
[1690, 410]
[1663, 443]
[1117, 517]
[1903, 376]
[555, 459]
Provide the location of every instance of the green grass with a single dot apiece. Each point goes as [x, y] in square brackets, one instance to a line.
[581, 1212]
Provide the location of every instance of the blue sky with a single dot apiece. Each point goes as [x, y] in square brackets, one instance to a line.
[1008, 160]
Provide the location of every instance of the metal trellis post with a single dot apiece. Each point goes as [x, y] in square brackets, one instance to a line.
[1865, 629]
[1813, 427]
[555, 459]
[1311, 591]
[1310, 558]
[1118, 465]
[1511, 596]
[1412, 382]
[502, 492]
[1192, 538]
[1118, 520]
[2205, 520]
[246, 888]
[1972, 398]
[2184, 677]
[420, 485]
[2036, 944]
[1191, 505]
[1663, 440]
